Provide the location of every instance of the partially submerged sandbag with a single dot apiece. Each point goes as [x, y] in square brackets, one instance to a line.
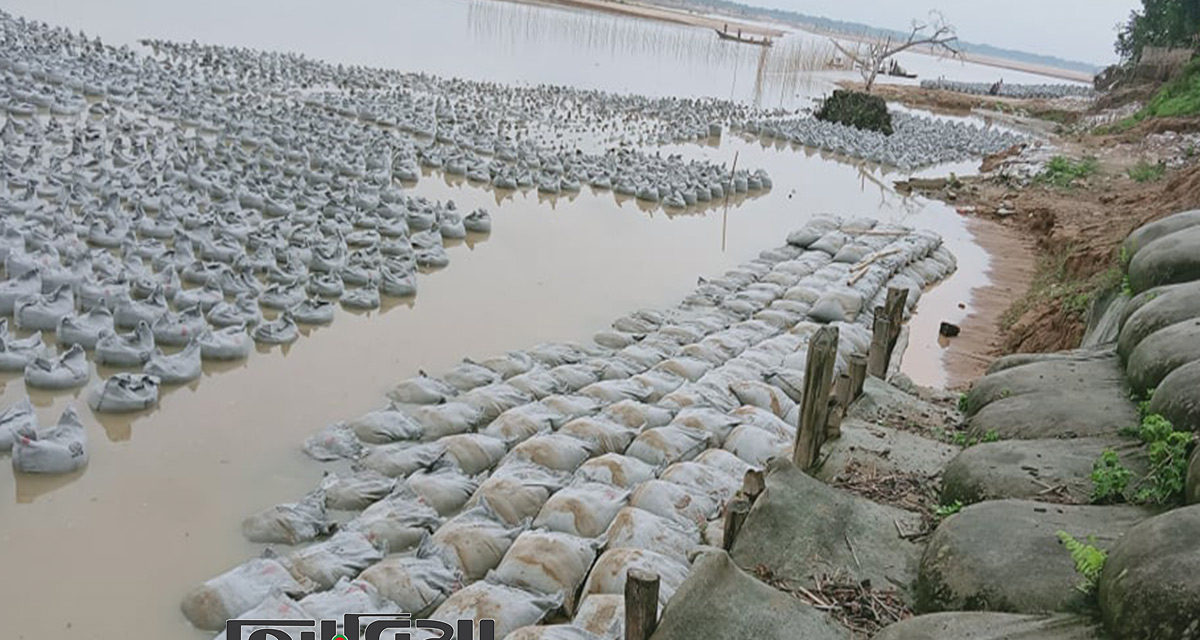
[61, 449]
[398, 521]
[343, 555]
[66, 371]
[290, 523]
[124, 392]
[386, 425]
[422, 390]
[334, 442]
[177, 368]
[239, 590]
[18, 416]
[399, 459]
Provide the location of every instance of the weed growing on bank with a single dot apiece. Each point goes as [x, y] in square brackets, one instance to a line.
[1062, 171]
[1089, 560]
[1145, 172]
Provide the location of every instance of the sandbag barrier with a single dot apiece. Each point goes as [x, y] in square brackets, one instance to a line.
[530, 483]
[1040, 90]
[916, 142]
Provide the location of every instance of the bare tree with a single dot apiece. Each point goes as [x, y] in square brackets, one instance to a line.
[935, 34]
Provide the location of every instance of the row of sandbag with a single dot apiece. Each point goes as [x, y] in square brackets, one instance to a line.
[519, 491]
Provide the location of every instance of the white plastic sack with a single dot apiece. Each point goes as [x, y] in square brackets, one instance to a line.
[640, 529]
[473, 453]
[399, 459]
[608, 576]
[602, 614]
[422, 390]
[348, 596]
[444, 488]
[355, 491]
[517, 490]
[583, 509]
[523, 422]
[61, 449]
[511, 608]
[682, 505]
[638, 415]
[697, 477]
[755, 445]
[548, 562]
[664, 445]
[398, 522]
[386, 425]
[343, 555]
[473, 542]
[238, 590]
[417, 584]
[604, 435]
[334, 442]
[290, 523]
[553, 451]
[615, 469]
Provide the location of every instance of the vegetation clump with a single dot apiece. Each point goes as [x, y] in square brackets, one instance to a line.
[1146, 172]
[1089, 560]
[1167, 450]
[857, 109]
[1062, 171]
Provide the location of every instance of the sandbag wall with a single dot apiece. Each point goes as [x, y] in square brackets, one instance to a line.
[523, 487]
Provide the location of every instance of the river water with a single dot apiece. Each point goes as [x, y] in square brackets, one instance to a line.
[108, 552]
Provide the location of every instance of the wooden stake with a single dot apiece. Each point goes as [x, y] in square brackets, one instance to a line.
[841, 402]
[641, 604]
[735, 515]
[877, 356]
[814, 403]
[858, 374]
[753, 484]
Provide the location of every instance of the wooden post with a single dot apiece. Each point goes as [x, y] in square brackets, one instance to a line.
[753, 484]
[814, 403]
[735, 515]
[877, 356]
[838, 405]
[641, 604]
[893, 308]
[858, 374]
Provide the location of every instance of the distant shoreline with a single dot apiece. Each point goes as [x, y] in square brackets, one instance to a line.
[663, 14]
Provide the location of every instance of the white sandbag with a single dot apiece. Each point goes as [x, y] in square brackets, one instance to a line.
[334, 442]
[615, 469]
[538, 383]
[548, 562]
[473, 542]
[355, 491]
[511, 608]
[523, 422]
[516, 491]
[604, 435]
[19, 415]
[664, 445]
[291, 522]
[473, 453]
[416, 583]
[176, 368]
[397, 522]
[442, 420]
[349, 596]
[755, 445]
[686, 367]
[386, 425]
[682, 505]
[763, 396]
[226, 343]
[573, 377]
[638, 415]
[239, 590]
[602, 614]
[552, 632]
[493, 399]
[608, 576]
[715, 423]
[467, 375]
[65, 371]
[553, 451]
[640, 529]
[584, 509]
[612, 391]
[764, 419]
[444, 488]
[660, 382]
[514, 363]
[343, 555]
[724, 462]
[62, 448]
[572, 406]
[422, 390]
[399, 459]
[276, 606]
[123, 393]
[697, 477]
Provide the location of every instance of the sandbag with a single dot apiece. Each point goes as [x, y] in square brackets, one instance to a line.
[523, 422]
[664, 445]
[615, 469]
[343, 555]
[605, 436]
[66, 371]
[1162, 352]
[422, 390]
[473, 453]
[584, 509]
[697, 477]
[716, 424]
[468, 375]
[177, 368]
[355, 491]
[386, 425]
[334, 442]
[552, 632]
[725, 462]
[640, 529]
[239, 590]
[442, 420]
[416, 583]
[602, 614]
[473, 542]
[608, 576]
[638, 415]
[291, 522]
[765, 420]
[763, 396]
[276, 606]
[553, 451]
[755, 445]
[1170, 259]
[548, 562]
[511, 608]
[444, 488]
[349, 596]
[398, 522]
[683, 505]
[19, 415]
[493, 399]
[399, 459]
[516, 491]
[61, 449]
[123, 393]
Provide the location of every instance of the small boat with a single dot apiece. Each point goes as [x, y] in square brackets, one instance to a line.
[738, 37]
[896, 71]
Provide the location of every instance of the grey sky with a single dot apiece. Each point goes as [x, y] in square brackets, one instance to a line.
[1074, 29]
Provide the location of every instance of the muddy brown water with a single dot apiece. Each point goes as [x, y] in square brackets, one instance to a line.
[108, 552]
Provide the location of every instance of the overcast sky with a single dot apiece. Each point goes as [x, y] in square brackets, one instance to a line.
[1074, 29]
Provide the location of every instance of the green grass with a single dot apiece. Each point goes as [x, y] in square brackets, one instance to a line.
[945, 511]
[1179, 97]
[1167, 451]
[1145, 172]
[1062, 171]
